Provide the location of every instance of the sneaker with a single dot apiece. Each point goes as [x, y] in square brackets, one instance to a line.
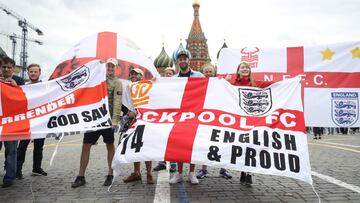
[243, 177]
[39, 172]
[108, 180]
[159, 167]
[248, 179]
[193, 179]
[172, 169]
[319, 137]
[133, 177]
[149, 179]
[225, 174]
[177, 178]
[19, 175]
[7, 184]
[202, 174]
[79, 181]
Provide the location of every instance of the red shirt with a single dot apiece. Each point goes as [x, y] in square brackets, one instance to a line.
[245, 81]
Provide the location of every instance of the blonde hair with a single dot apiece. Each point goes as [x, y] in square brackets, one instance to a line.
[209, 66]
[238, 75]
[171, 69]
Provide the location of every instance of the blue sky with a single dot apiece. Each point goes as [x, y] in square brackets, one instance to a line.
[264, 23]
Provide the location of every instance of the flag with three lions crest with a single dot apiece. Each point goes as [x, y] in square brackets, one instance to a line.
[211, 122]
[75, 102]
[330, 77]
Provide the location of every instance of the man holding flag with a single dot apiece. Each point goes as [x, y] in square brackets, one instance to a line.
[182, 57]
[34, 72]
[137, 75]
[114, 88]
[8, 77]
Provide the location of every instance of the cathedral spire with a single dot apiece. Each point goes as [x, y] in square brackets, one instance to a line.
[196, 6]
[196, 41]
[223, 46]
[196, 30]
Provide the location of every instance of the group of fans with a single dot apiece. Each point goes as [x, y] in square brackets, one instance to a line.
[15, 151]
[243, 77]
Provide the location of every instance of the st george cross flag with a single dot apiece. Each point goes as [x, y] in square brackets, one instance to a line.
[104, 45]
[330, 73]
[211, 122]
[75, 102]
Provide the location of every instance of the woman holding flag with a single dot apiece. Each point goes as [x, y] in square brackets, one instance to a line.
[243, 77]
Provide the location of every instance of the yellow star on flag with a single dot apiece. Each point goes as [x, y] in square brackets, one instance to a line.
[327, 54]
[355, 53]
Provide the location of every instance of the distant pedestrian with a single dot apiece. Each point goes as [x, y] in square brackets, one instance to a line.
[344, 131]
[317, 132]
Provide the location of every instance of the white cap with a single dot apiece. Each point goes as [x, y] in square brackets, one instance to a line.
[112, 61]
[138, 70]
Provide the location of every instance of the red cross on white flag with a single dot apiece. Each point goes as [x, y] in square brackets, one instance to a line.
[104, 45]
[64, 104]
[209, 121]
[331, 75]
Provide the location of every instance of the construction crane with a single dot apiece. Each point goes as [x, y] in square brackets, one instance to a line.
[13, 38]
[22, 22]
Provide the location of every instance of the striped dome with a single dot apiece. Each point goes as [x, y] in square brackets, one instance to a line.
[163, 60]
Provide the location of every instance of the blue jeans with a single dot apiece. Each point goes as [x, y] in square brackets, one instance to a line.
[10, 160]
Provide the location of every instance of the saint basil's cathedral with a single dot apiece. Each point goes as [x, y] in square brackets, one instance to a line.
[196, 43]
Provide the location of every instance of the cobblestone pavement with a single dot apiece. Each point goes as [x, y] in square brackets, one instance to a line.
[335, 162]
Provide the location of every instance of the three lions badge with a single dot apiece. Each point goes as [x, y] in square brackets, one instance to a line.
[255, 102]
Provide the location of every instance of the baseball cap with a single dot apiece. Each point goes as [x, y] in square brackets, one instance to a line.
[138, 70]
[112, 61]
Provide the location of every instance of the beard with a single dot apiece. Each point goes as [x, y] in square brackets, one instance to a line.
[135, 79]
[183, 66]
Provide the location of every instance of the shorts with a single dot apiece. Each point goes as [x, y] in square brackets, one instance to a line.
[93, 136]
